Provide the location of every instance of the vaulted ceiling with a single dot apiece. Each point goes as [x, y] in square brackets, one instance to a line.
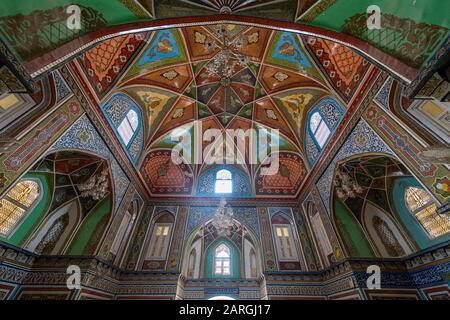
[411, 31]
[236, 74]
[223, 76]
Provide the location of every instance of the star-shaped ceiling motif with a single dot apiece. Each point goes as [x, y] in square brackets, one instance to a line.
[227, 77]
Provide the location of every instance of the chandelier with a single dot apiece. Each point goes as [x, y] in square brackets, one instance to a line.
[223, 219]
[224, 63]
[95, 187]
[346, 187]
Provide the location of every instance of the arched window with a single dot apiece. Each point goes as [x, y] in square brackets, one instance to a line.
[160, 241]
[224, 182]
[128, 126]
[421, 205]
[222, 260]
[19, 201]
[284, 238]
[285, 244]
[160, 238]
[319, 129]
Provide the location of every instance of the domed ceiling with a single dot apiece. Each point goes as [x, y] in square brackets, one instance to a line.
[223, 77]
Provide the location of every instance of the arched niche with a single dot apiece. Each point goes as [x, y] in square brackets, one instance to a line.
[366, 212]
[75, 208]
[158, 241]
[56, 230]
[287, 244]
[383, 231]
[198, 256]
[213, 254]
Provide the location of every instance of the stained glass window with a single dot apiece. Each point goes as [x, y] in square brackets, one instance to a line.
[16, 204]
[222, 260]
[224, 182]
[128, 126]
[421, 205]
[319, 129]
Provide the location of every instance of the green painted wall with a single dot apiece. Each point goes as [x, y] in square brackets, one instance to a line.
[113, 11]
[91, 229]
[235, 259]
[31, 29]
[351, 232]
[413, 226]
[411, 43]
[428, 11]
[35, 217]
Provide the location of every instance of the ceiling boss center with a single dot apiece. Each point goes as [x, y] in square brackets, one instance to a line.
[230, 56]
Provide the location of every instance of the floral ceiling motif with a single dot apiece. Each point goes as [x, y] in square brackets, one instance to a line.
[223, 77]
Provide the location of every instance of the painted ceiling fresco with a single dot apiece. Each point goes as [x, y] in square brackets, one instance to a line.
[223, 77]
[411, 31]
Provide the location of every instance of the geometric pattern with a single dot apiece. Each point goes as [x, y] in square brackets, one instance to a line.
[286, 180]
[83, 136]
[227, 6]
[103, 63]
[383, 95]
[170, 79]
[363, 139]
[62, 89]
[332, 113]
[246, 215]
[115, 110]
[344, 68]
[164, 176]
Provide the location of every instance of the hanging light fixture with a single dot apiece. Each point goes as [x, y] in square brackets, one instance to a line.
[346, 186]
[223, 219]
[95, 187]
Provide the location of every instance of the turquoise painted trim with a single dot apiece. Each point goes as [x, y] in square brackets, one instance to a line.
[422, 294]
[413, 226]
[235, 260]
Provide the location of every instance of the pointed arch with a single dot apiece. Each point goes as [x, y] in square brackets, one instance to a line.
[18, 203]
[56, 230]
[384, 233]
[211, 259]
